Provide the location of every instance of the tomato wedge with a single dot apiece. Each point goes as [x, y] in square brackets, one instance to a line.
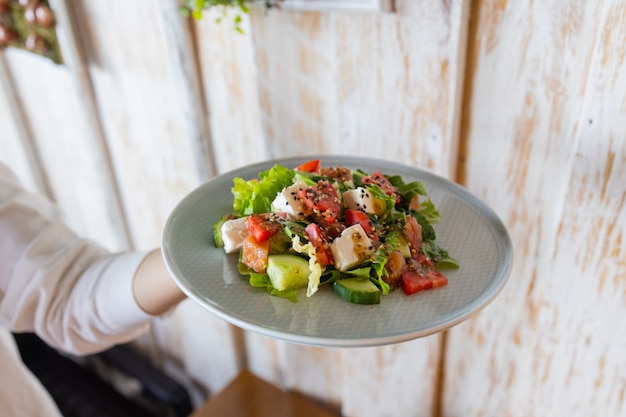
[421, 275]
[322, 199]
[312, 166]
[357, 216]
[322, 252]
[255, 254]
[263, 226]
[379, 179]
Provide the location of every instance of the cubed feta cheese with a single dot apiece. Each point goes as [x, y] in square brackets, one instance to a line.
[288, 202]
[351, 248]
[361, 199]
[234, 232]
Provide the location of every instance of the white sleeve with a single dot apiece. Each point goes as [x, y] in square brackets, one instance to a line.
[70, 291]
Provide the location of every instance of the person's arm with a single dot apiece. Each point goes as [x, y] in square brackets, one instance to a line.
[75, 295]
[155, 291]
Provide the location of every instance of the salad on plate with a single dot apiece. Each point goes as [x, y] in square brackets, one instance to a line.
[362, 233]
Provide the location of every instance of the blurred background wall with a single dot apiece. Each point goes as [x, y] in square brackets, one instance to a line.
[523, 103]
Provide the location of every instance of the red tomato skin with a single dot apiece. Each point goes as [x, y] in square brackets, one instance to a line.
[322, 253]
[329, 203]
[322, 199]
[353, 217]
[255, 254]
[421, 275]
[413, 282]
[313, 166]
[262, 227]
[314, 232]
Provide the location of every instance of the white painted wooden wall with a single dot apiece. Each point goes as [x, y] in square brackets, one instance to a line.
[522, 103]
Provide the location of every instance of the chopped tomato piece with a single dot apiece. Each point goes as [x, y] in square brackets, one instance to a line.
[322, 252]
[312, 166]
[379, 179]
[357, 216]
[255, 254]
[421, 275]
[263, 226]
[322, 199]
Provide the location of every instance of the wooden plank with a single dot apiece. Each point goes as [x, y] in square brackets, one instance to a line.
[64, 140]
[152, 143]
[398, 81]
[230, 84]
[144, 78]
[16, 146]
[548, 345]
[186, 82]
[587, 282]
[74, 59]
[395, 380]
[315, 371]
[295, 81]
[337, 5]
[298, 110]
[311, 82]
[61, 101]
[229, 80]
[321, 90]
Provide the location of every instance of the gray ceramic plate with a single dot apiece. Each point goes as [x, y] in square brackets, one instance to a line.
[469, 230]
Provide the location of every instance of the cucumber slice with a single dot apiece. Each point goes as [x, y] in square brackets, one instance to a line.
[357, 290]
[288, 272]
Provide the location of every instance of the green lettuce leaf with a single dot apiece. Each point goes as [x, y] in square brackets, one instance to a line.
[407, 190]
[438, 255]
[428, 231]
[256, 195]
[378, 265]
[428, 210]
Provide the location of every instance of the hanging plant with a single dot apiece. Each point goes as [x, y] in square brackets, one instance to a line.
[29, 25]
[239, 7]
